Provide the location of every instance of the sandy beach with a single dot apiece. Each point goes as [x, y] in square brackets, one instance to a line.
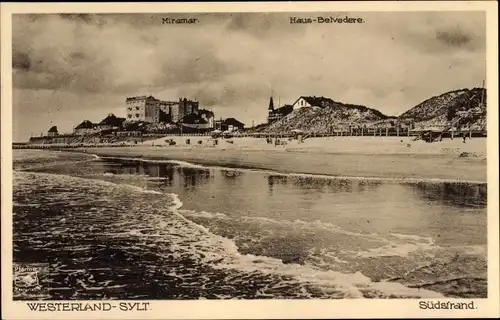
[378, 157]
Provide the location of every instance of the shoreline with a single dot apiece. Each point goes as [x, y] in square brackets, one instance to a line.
[476, 282]
[406, 167]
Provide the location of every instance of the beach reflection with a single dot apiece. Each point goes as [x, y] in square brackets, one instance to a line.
[450, 212]
[456, 194]
[190, 178]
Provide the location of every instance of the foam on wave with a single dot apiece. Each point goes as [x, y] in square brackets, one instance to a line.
[222, 253]
[352, 285]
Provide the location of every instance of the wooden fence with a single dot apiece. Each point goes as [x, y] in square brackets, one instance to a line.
[341, 132]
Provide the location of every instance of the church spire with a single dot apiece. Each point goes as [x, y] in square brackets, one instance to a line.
[271, 104]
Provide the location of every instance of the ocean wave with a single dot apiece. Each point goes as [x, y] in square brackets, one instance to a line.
[204, 214]
[412, 237]
[124, 176]
[186, 237]
[392, 248]
[23, 166]
[177, 162]
[39, 159]
[177, 202]
[316, 225]
[396, 249]
[31, 205]
[352, 285]
[412, 244]
[474, 250]
[63, 177]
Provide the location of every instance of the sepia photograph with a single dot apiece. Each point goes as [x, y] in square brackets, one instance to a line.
[279, 155]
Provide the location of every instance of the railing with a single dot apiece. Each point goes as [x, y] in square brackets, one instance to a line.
[342, 132]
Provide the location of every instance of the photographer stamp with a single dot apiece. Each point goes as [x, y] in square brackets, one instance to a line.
[28, 278]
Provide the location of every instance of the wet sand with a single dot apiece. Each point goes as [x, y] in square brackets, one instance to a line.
[442, 166]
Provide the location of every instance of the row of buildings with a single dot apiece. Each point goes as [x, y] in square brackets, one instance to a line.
[186, 113]
[183, 114]
[152, 110]
[111, 122]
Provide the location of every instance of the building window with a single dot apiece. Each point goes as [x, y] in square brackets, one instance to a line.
[136, 108]
[130, 116]
[137, 115]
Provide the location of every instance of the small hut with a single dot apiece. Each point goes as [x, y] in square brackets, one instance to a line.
[86, 127]
[111, 122]
[52, 132]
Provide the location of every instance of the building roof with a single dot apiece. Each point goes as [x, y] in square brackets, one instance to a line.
[141, 98]
[317, 101]
[206, 112]
[286, 109]
[168, 103]
[233, 122]
[132, 126]
[112, 120]
[193, 118]
[53, 129]
[187, 100]
[86, 124]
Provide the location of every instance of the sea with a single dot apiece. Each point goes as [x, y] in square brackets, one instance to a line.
[123, 228]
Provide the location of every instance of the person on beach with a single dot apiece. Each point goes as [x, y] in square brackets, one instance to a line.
[464, 137]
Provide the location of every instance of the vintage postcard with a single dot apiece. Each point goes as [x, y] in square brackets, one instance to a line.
[250, 160]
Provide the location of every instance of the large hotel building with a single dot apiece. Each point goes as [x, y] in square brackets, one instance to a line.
[150, 109]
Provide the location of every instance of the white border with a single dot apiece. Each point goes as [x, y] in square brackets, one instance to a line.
[269, 309]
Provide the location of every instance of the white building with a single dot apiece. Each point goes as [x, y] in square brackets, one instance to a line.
[147, 109]
[208, 116]
[305, 101]
[143, 108]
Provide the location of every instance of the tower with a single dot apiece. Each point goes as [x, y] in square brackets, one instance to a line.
[271, 106]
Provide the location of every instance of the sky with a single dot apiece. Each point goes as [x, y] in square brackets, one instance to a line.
[73, 67]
